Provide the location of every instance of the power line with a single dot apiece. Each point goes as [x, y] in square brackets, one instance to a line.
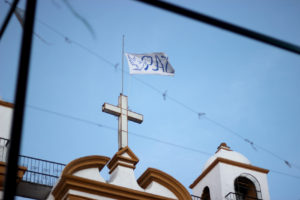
[165, 96]
[64, 115]
[285, 174]
[139, 135]
[8, 17]
[253, 145]
[171, 144]
[70, 41]
[115, 129]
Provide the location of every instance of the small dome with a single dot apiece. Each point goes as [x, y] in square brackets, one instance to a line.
[225, 152]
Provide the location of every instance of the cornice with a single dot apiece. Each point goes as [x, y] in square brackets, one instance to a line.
[119, 159]
[164, 179]
[6, 104]
[68, 182]
[85, 163]
[20, 174]
[230, 162]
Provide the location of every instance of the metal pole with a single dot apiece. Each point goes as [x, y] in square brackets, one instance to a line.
[223, 25]
[20, 97]
[123, 64]
[8, 16]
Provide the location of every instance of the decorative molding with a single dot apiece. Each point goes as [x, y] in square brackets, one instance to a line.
[223, 146]
[84, 163]
[6, 104]
[230, 162]
[120, 164]
[165, 180]
[76, 197]
[119, 159]
[69, 182]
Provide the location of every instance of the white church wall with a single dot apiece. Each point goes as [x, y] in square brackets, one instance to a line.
[83, 194]
[212, 181]
[126, 155]
[5, 121]
[158, 189]
[91, 173]
[50, 197]
[265, 187]
[123, 176]
[88, 195]
[230, 172]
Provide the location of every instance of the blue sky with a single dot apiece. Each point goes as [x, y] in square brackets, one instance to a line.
[250, 87]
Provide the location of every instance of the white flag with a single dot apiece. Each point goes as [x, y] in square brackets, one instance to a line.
[151, 63]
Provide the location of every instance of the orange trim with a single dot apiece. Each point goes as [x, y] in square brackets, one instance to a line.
[6, 104]
[120, 164]
[84, 163]
[230, 162]
[223, 146]
[21, 171]
[76, 197]
[114, 162]
[68, 182]
[164, 179]
[129, 152]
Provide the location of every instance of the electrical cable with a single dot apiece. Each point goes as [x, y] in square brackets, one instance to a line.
[253, 145]
[139, 135]
[115, 129]
[8, 17]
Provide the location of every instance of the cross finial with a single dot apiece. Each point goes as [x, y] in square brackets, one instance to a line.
[122, 112]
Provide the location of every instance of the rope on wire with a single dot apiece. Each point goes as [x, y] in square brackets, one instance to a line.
[165, 97]
[139, 135]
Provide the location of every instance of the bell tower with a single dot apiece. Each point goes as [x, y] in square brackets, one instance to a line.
[229, 175]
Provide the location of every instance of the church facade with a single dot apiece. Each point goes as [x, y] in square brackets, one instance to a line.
[81, 180]
[227, 175]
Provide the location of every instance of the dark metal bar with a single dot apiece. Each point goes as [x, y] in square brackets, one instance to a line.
[20, 97]
[8, 16]
[234, 196]
[3, 148]
[223, 25]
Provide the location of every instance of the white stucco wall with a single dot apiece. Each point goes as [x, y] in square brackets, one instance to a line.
[158, 189]
[230, 155]
[5, 121]
[124, 177]
[91, 173]
[213, 181]
[50, 197]
[229, 173]
[88, 195]
[220, 181]
[83, 194]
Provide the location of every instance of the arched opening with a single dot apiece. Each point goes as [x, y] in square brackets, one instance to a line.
[205, 194]
[245, 188]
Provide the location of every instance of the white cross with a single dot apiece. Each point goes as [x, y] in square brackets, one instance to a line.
[124, 115]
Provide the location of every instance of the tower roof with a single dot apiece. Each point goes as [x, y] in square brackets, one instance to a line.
[225, 152]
